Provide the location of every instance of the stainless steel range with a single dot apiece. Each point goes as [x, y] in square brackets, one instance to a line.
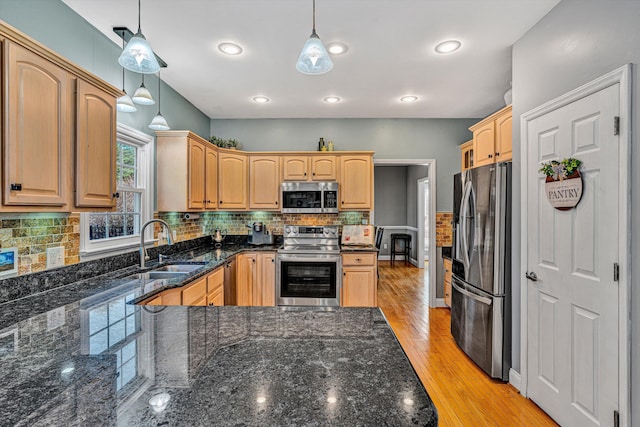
[308, 266]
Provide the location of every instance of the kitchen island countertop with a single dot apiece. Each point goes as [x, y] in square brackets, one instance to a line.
[80, 355]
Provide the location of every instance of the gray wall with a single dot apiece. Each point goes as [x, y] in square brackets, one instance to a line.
[414, 173]
[55, 25]
[578, 41]
[389, 138]
[390, 189]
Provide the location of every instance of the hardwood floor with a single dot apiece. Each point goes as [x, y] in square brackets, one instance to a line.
[463, 394]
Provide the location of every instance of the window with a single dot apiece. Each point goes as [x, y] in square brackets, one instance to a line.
[114, 327]
[106, 232]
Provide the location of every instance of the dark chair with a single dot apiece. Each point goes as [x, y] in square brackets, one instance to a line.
[379, 232]
[405, 239]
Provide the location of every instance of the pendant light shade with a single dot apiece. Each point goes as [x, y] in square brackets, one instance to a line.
[314, 58]
[142, 95]
[159, 122]
[124, 103]
[138, 56]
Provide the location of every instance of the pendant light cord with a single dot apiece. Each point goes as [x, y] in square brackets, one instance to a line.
[139, 16]
[123, 67]
[159, 82]
[314, 15]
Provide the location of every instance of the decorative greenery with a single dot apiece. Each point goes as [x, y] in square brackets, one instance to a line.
[560, 170]
[224, 143]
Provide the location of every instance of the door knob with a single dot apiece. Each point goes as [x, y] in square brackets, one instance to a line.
[531, 276]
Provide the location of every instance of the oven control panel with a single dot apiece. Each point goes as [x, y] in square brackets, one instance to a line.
[326, 231]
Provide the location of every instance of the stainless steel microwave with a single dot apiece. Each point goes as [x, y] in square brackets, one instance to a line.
[310, 197]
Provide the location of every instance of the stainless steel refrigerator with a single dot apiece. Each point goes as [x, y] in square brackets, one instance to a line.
[481, 281]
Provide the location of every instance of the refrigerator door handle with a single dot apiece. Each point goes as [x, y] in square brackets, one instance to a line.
[484, 300]
[464, 225]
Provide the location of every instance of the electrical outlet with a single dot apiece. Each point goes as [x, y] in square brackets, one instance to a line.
[175, 235]
[203, 230]
[385, 246]
[55, 257]
[365, 222]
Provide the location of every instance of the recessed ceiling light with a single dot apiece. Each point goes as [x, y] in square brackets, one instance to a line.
[409, 98]
[332, 99]
[261, 99]
[448, 46]
[337, 48]
[230, 48]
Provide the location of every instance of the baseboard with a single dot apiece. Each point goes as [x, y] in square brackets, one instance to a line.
[515, 379]
[440, 303]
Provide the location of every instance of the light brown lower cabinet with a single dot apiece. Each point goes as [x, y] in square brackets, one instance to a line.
[447, 281]
[359, 280]
[256, 278]
[207, 290]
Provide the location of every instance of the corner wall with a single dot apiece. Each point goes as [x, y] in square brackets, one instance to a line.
[578, 41]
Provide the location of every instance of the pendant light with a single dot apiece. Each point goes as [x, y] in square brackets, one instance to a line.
[142, 95]
[138, 55]
[314, 58]
[124, 103]
[159, 122]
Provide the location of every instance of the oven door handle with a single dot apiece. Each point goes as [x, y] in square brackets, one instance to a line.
[309, 257]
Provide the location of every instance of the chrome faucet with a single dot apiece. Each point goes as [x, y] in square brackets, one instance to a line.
[143, 251]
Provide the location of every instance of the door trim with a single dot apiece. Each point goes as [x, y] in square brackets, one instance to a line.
[431, 175]
[621, 76]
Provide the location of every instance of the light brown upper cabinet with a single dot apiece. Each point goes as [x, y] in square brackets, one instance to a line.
[187, 177]
[95, 147]
[356, 182]
[233, 180]
[466, 156]
[309, 168]
[264, 185]
[38, 132]
[58, 131]
[492, 138]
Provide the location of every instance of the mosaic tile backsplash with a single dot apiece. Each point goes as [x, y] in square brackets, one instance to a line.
[33, 234]
[444, 229]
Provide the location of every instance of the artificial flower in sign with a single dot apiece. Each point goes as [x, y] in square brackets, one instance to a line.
[560, 171]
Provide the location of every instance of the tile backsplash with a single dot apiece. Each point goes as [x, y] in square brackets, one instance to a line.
[444, 229]
[32, 234]
[236, 222]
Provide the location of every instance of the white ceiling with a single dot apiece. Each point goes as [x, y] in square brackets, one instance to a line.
[390, 53]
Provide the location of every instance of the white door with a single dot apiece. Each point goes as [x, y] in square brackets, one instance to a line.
[573, 306]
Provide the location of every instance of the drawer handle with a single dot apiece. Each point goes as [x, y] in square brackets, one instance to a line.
[16, 187]
[358, 260]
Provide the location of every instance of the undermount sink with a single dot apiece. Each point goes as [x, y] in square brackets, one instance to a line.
[171, 271]
[178, 268]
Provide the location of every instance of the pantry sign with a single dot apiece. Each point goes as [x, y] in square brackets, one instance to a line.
[563, 183]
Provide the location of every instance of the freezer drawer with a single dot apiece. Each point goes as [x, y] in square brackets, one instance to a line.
[478, 327]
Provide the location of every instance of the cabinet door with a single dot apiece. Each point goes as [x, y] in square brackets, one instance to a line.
[195, 293]
[484, 144]
[466, 156]
[503, 138]
[264, 291]
[95, 147]
[172, 297]
[447, 282]
[246, 278]
[295, 168]
[215, 287]
[264, 188]
[323, 168]
[211, 178]
[232, 181]
[359, 287]
[196, 175]
[38, 112]
[356, 182]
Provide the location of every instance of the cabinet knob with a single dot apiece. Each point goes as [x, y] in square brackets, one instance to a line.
[276, 202]
[16, 187]
[115, 195]
[314, 174]
[220, 201]
[305, 174]
[343, 202]
[344, 274]
[490, 155]
[358, 260]
[497, 154]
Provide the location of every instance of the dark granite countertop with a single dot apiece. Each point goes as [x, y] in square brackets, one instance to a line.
[358, 248]
[79, 354]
